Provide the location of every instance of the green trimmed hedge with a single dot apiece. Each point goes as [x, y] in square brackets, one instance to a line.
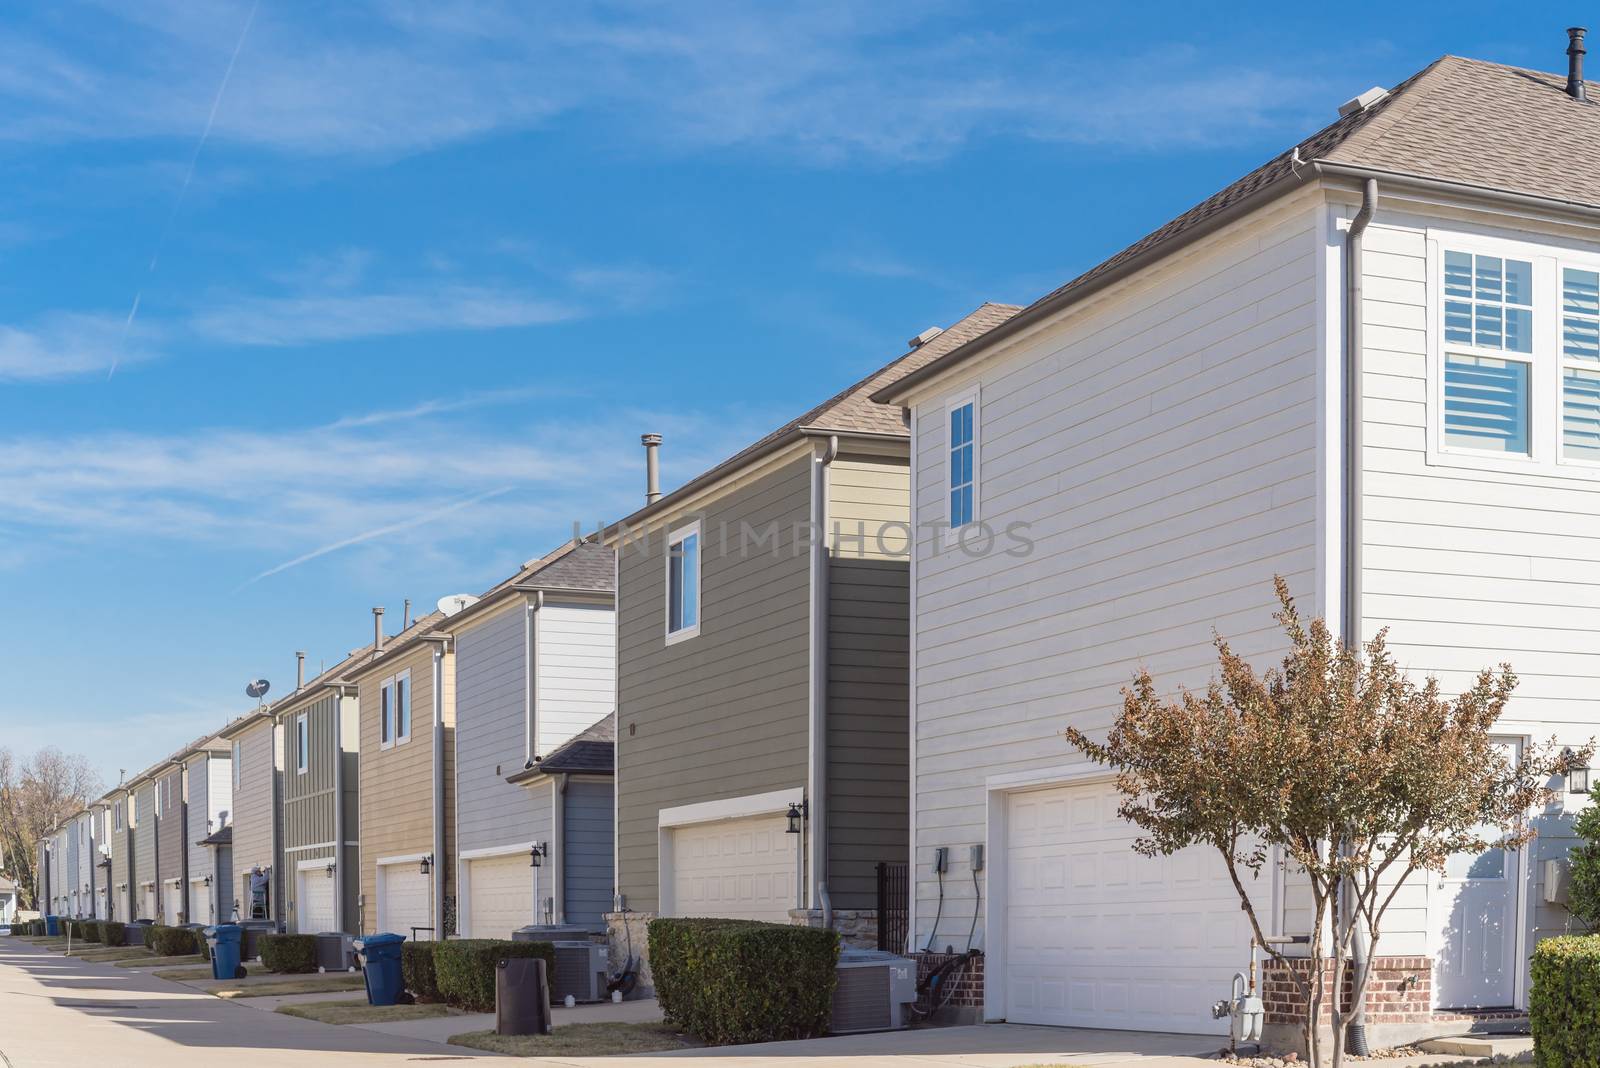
[288, 953]
[1564, 1006]
[91, 931]
[464, 968]
[416, 966]
[114, 932]
[170, 941]
[734, 981]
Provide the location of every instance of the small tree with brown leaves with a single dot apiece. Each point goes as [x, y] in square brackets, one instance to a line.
[1336, 762]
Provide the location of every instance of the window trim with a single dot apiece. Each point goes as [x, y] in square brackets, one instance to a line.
[389, 710]
[1545, 458]
[677, 536]
[403, 715]
[972, 396]
[302, 743]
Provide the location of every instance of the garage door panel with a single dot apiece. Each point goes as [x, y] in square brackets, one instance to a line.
[501, 892]
[405, 900]
[316, 901]
[742, 869]
[1099, 936]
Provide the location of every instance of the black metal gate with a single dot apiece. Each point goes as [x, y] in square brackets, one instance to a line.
[894, 906]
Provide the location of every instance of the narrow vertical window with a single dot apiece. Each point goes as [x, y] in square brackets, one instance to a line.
[683, 583]
[1488, 308]
[1580, 364]
[302, 741]
[402, 707]
[386, 714]
[237, 753]
[963, 463]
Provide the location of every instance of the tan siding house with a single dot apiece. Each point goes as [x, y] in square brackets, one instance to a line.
[407, 726]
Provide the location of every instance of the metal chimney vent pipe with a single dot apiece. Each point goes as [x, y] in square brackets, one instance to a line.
[652, 467]
[299, 669]
[405, 618]
[1575, 50]
[377, 631]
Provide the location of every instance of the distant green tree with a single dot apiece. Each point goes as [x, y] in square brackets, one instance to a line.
[1583, 893]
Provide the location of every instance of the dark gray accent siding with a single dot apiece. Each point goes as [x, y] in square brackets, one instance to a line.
[144, 849]
[491, 681]
[586, 862]
[868, 724]
[171, 856]
[722, 714]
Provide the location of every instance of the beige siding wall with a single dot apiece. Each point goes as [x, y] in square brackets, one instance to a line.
[396, 795]
[308, 800]
[253, 818]
[120, 855]
[869, 508]
[723, 714]
[171, 856]
[144, 846]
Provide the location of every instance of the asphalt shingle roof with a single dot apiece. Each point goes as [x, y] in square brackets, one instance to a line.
[593, 751]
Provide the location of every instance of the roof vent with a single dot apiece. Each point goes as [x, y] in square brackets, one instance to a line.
[925, 337]
[1575, 50]
[1362, 102]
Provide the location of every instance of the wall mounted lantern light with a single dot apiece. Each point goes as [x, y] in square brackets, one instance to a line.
[427, 863]
[536, 856]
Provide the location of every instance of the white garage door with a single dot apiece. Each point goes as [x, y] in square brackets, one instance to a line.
[736, 869]
[501, 891]
[174, 904]
[403, 900]
[200, 902]
[315, 905]
[1099, 936]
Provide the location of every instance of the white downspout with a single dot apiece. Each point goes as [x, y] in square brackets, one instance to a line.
[439, 861]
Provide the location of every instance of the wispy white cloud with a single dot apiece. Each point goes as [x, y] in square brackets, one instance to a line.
[68, 345]
[825, 82]
[313, 318]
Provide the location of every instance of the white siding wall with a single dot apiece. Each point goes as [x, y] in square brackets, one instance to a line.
[1469, 566]
[1162, 445]
[577, 670]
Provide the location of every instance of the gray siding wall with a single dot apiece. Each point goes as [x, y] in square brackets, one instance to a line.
[120, 854]
[144, 847]
[868, 724]
[586, 859]
[199, 856]
[723, 714]
[491, 679]
[308, 799]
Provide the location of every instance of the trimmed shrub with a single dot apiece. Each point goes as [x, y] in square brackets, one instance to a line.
[464, 968]
[288, 953]
[734, 981]
[170, 941]
[114, 933]
[416, 965]
[91, 931]
[1562, 1008]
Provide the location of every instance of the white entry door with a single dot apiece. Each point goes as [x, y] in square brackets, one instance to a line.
[124, 904]
[1097, 935]
[200, 902]
[735, 869]
[403, 900]
[315, 911]
[500, 895]
[1473, 913]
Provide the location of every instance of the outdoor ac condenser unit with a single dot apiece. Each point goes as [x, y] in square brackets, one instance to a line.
[874, 989]
[580, 971]
[335, 952]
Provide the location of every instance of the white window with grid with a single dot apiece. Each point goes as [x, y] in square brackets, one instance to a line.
[1580, 364]
[1488, 332]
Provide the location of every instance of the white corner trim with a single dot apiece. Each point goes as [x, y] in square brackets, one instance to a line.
[731, 808]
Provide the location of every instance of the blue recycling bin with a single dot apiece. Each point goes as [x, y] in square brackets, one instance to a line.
[380, 964]
[52, 926]
[226, 940]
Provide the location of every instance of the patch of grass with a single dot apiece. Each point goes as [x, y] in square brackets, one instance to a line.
[151, 962]
[184, 975]
[359, 1012]
[101, 954]
[321, 984]
[581, 1040]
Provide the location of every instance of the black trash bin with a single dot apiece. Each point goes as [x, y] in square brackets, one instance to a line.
[521, 997]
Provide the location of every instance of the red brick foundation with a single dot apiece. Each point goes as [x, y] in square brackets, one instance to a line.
[1399, 992]
[967, 993]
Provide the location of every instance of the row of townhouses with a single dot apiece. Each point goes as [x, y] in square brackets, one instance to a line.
[825, 681]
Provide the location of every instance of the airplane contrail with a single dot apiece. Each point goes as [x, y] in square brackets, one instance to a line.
[188, 178]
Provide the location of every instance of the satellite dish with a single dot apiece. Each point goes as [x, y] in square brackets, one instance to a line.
[258, 688]
[456, 602]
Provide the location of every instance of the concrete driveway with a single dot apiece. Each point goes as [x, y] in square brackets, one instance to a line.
[63, 1012]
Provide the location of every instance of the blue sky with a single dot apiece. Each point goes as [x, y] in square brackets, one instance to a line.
[307, 312]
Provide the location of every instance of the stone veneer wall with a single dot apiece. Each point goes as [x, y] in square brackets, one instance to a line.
[625, 930]
[856, 927]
